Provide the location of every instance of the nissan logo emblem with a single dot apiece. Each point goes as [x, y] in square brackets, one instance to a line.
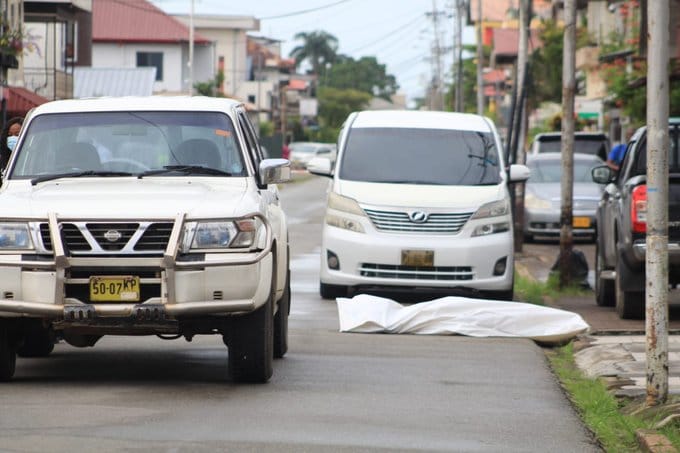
[112, 235]
[418, 217]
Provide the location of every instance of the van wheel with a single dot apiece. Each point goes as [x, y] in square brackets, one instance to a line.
[332, 291]
[629, 304]
[251, 345]
[281, 322]
[8, 357]
[605, 292]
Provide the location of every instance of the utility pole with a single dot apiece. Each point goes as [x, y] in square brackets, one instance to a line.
[458, 57]
[191, 49]
[436, 99]
[480, 61]
[568, 92]
[519, 118]
[656, 300]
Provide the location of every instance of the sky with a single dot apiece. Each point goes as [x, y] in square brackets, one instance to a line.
[399, 33]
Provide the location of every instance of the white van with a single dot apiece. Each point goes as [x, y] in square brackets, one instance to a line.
[419, 201]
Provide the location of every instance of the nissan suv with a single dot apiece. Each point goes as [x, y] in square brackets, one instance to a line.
[143, 216]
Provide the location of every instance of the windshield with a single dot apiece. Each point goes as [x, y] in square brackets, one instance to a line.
[551, 170]
[586, 145]
[127, 143]
[421, 156]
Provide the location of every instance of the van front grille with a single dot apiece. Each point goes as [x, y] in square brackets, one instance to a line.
[399, 221]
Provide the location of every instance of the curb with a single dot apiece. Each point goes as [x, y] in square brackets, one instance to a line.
[651, 441]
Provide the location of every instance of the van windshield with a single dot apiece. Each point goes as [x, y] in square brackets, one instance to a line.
[421, 156]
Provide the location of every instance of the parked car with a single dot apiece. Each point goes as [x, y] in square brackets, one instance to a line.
[595, 143]
[620, 257]
[543, 199]
[419, 201]
[143, 216]
[302, 152]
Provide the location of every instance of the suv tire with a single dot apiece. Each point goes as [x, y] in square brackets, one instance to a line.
[8, 355]
[38, 342]
[251, 345]
[629, 304]
[281, 321]
[605, 291]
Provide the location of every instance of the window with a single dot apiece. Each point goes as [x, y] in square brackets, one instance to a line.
[153, 59]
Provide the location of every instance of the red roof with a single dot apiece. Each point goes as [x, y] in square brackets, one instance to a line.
[506, 41]
[20, 100]
[493, 76]
[136, 21]
[297, 84]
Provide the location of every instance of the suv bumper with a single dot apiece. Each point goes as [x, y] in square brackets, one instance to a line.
[219, 284]
[640, 251]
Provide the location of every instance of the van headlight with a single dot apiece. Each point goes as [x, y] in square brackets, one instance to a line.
[15, 236]
[493, 209]
[216, 234]
[344, 205]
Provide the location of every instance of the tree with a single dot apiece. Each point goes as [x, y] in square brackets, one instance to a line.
[335, 105]
[318, 48]
[365, 74]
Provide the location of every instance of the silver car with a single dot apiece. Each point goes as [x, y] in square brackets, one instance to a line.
[302, 152]
[542, 198]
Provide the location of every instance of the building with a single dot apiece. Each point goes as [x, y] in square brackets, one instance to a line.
[135, 33]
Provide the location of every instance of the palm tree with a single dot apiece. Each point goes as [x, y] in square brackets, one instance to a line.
[319, 48]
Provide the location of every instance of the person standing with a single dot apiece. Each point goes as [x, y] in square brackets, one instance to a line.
[9, 138]
[285, 149]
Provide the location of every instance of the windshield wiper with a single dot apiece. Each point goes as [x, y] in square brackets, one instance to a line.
[78, 174]
[185, 169]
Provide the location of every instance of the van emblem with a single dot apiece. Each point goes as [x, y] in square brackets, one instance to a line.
[112, 235]
[418, 217]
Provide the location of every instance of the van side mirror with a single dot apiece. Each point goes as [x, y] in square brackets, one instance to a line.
[320, 166]
[518, 173]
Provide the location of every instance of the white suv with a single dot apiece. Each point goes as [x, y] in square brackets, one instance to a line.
[143, 216]
[419, 200]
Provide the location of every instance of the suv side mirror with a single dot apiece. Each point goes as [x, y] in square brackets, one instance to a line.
[602, 174]
[274, 171]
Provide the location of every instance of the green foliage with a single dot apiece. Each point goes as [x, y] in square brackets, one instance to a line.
[469, 81]
[545, 69]
[325, 134]
[318, 48]
[365, 74]
[266, 128]
[211, 87]
[335, 105]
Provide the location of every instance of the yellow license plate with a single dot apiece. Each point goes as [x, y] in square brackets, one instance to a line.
[420, 258]
[114, 289]
[581, 222]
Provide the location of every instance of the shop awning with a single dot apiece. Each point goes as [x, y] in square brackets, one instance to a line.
[20, 100]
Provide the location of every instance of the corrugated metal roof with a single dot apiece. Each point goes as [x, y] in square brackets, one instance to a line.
[136, 21]
[96, 82]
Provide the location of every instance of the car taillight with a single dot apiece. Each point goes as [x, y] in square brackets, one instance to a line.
[638, 209]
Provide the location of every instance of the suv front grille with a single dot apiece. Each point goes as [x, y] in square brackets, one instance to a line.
[415, 272]
[399, 221]
[84, 238]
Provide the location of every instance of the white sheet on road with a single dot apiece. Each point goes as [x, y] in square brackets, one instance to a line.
[459, 315]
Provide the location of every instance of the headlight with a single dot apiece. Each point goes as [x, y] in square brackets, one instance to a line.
[491, 228]
[15, 236]
[531, 201]
[219, 234]
[346, 206]
[493, 209]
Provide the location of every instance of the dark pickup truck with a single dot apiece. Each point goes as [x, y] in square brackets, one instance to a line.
[621, 219]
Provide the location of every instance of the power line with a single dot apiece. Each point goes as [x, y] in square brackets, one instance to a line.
[388, 35]
[304, 11]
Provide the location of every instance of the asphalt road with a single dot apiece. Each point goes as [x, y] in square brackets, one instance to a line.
[332, 392]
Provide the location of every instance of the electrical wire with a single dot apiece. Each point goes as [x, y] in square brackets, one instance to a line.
[304, 11]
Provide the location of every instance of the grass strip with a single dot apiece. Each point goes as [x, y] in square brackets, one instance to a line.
[601, 411]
